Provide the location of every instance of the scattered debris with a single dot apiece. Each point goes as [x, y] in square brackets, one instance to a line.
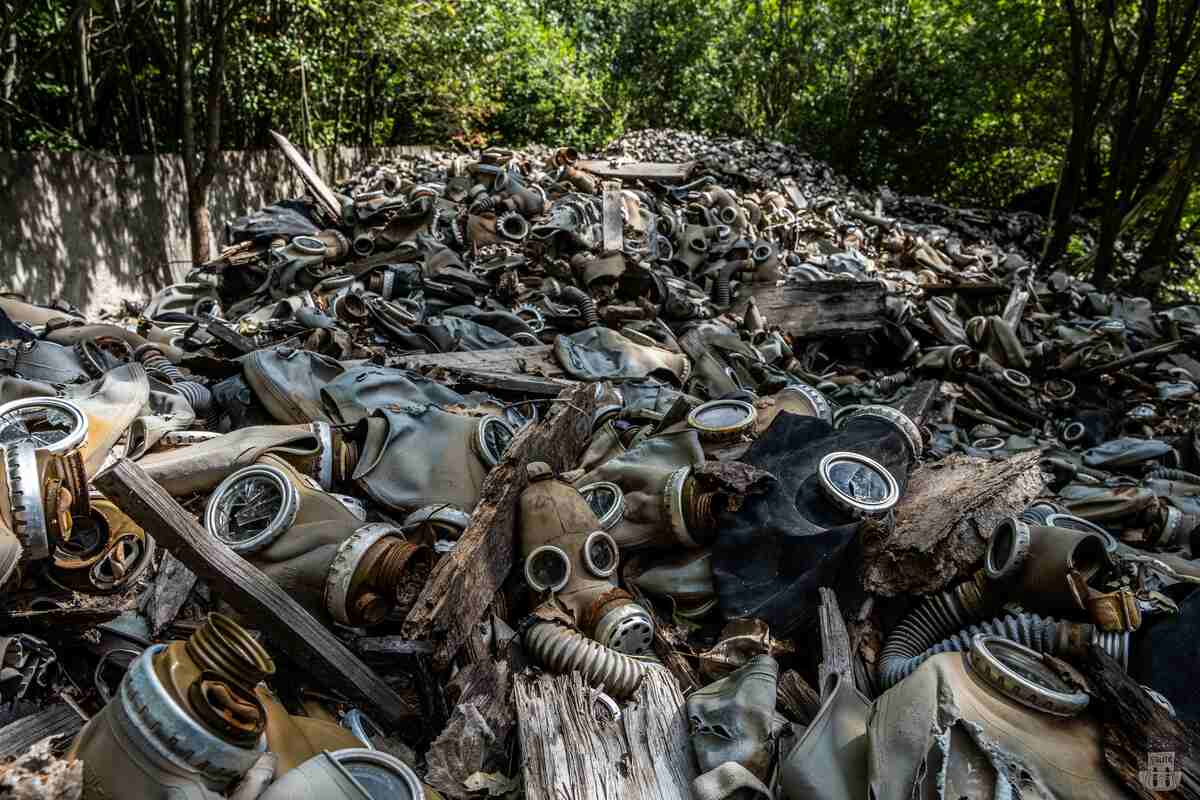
[485, 475]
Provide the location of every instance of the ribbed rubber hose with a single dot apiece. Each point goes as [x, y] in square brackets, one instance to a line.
[915, 639]
[156, 362]
[198, 396]
[1166, 473]
[560, 650]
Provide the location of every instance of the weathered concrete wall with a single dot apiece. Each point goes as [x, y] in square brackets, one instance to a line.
[93, 230]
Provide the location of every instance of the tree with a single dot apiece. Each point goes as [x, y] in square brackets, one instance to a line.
[199, 170]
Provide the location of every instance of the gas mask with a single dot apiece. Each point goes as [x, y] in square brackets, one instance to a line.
[104, 552]
[771, 555]
[313, 450]
[662, 506]
[733, 723]
[111, 404]
[797, 398]
[416, 455]
[185, 723]
[311, 544]
[42, 477]
[981, 724]
[43, 361]
[603, 354]
[349, 774]
[1045, 567]
[567, 556]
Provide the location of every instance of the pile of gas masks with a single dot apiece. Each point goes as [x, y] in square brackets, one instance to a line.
[193, 719]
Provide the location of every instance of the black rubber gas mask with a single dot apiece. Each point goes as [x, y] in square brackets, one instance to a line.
[771, 555]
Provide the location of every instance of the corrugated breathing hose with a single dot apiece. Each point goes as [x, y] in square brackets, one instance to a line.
[560, 649]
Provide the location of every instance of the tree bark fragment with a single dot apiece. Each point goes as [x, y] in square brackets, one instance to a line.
[944, 520]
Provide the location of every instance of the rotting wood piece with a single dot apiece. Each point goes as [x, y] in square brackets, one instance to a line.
[165, 597]
[636, 170]
[18, 736]
[819, 309]
[1135, 726]
[570, 751]
[477, 737]
[944, 520]
[796, 698]
[463, 583]
[248, 590]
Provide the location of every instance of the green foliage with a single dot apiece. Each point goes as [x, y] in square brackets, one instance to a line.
[967, 100]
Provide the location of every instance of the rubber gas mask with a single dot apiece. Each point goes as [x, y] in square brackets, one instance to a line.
[662, 506]
[185, 723]
[42, 478]
[412, 456]
[314, 450]
[569, 558]
[771, 555]
[311, 544]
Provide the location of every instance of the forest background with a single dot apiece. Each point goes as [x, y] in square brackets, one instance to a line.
[1087, 111]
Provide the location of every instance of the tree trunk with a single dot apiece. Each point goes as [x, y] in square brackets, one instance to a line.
[10, 75]
[1156, 258]
[84, 91]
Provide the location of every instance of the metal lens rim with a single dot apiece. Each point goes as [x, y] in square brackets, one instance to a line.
[68, 443]
[1071, 522]
[747, 421]
[537, 585]
[822, 409]
[615, 512]
[989, 443]
[594, 568]
[1017, 378]
[1020, 538]
[851, 503]
[989, 658]
[284, 516]
[490, 458]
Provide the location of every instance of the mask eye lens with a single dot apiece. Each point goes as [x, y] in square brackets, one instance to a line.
[492, 439]
[600, 554]
[252, 508]
[857, 481]
[607, 501]
[547, 568]
[858, 484]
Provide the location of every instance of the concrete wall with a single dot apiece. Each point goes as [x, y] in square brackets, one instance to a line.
[93, 230]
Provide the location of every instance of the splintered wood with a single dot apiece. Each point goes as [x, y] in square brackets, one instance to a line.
[944, 520]
[463, 583]
[571, 751]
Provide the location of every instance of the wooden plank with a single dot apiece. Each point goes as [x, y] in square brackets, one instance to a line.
[228, 336]
[637, 170]
[944, 520]
[965, 288]
[57, 720]
[321, 191]
[570, 752]
[477, 737]
[248, 590]
[1134, 726]
[463, 583]
[793, 192]
[819, 309]
[612, 220]
[507, 360]
[502, 382]
[520, 370]
[919, 403]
